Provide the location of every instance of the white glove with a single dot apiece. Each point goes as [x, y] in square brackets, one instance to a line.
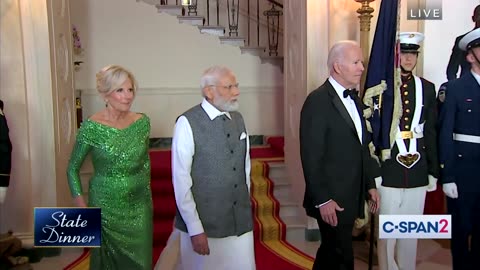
[450, 189]
[378, 181]
[432, 183]
[3, 193]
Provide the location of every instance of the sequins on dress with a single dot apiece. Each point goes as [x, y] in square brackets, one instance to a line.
[120, 186]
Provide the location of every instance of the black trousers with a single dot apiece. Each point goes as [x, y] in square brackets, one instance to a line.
[335, 251]
[465, 213]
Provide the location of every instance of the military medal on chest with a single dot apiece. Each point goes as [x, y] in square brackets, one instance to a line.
[409, 157]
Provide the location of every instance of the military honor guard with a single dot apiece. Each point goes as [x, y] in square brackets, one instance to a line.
[459, 147]
[5, 155]
[411, 169]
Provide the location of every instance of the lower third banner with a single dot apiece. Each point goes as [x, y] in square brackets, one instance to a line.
[415, 226]
[67, 227]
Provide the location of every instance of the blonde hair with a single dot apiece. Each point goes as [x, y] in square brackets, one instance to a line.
[112, 77]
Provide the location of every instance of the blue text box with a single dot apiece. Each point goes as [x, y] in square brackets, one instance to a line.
[67, 227]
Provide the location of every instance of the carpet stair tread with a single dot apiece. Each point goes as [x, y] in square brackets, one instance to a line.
[164, 207]
[161, 231]
[161, 170]
[157, 250]
[161, 186]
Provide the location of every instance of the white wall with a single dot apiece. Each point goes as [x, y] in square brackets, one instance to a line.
[440, 37]
[167, 59]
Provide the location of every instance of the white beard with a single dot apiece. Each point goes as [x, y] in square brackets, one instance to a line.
[227, 106]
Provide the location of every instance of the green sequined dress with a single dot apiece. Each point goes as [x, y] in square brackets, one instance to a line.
[120, 186]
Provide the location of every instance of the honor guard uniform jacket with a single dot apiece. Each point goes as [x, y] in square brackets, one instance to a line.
[414, 153]
[459, 136]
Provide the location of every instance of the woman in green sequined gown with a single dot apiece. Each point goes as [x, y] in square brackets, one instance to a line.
[117, 140]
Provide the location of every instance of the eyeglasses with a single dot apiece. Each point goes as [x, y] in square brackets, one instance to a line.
[229, 87]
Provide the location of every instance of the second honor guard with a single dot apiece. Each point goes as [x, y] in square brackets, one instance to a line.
[459, 147]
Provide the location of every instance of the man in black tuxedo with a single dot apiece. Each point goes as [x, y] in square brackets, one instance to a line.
[339, 171]
[458, 56]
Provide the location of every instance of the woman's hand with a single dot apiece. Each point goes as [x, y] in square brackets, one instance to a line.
[79, 201]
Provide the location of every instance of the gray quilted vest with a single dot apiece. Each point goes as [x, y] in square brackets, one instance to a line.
[218, 173]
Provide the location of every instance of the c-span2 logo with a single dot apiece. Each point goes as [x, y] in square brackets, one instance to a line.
[67, 227]
[415, 226]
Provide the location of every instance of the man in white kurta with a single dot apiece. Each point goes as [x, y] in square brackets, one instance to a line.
[211, 181]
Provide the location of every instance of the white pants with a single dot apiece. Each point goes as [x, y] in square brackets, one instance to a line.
[170, 257]
[229, 253]
[399, 254]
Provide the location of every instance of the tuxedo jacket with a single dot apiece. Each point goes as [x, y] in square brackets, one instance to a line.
[393, 173]
[336, 165]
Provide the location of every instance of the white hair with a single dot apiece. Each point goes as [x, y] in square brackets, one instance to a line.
[337, 52]
[212, 75]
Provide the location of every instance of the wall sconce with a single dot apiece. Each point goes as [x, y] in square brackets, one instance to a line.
[191, 5]
[273, 26]
[233, 8]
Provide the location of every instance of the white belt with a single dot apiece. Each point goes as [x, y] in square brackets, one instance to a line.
[415, 133]
[466, 138]
[409, 135]
[416, 129]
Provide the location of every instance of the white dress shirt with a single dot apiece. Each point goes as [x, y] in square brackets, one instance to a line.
[183, 150]
[349, 105]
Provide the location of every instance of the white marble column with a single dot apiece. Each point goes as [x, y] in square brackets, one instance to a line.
[295, 83]
[32, 112]
[16, 211]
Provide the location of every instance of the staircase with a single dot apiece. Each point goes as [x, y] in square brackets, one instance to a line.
[291, 212]
[253, 26]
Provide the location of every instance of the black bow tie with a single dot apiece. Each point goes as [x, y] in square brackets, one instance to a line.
[350, 92]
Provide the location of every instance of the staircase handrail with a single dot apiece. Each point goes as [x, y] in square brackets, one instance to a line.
[253, 17]
[276, 3]
[239, 11]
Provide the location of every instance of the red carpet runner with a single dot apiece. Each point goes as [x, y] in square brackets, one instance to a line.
[271, 250]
